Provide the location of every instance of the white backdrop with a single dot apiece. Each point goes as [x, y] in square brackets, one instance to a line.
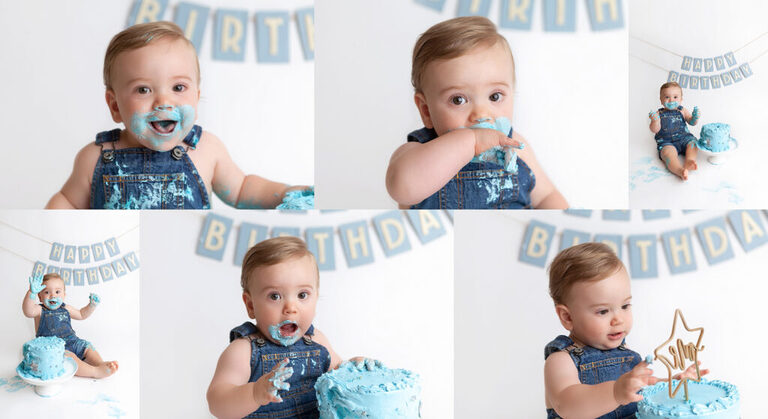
[113, 327]
[505, 317]
[53, 101]
[570, 101]
[699, 28]
[397, 309]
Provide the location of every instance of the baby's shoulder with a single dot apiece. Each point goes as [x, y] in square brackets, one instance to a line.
[239, 348]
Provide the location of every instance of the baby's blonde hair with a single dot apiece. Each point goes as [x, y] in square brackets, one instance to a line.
[454, 38]
[670, 84]
[138, 36]
[586, 262]
[53, 275]
[271, 252]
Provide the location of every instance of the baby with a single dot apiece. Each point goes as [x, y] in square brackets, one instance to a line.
[161, 159]
[672, 136]
[53, 318]
[591, 373]
[467, 155]
[269, 369]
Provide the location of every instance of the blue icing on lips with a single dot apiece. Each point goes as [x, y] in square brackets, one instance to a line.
[274, 331]
[357, 392]
[671, 105]
[504, 156]
[143, 124]
[53, 303]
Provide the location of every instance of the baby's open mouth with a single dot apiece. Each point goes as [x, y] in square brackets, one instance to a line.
[288, 329]
[614, 336]
[164, 126]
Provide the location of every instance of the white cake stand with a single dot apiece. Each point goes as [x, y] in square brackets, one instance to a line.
[53, 386]
[720, 157]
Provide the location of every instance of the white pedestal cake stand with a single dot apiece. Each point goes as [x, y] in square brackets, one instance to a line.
[53, 386]
[720, 157]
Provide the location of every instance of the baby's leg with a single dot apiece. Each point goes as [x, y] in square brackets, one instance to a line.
[669, 156]
[690, 156]
[93, 366]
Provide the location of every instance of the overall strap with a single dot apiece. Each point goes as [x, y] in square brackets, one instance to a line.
[108, 136]
[194, 136]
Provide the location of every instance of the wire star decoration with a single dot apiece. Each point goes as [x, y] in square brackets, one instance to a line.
[679, 353]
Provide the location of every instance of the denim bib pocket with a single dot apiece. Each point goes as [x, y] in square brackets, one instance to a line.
[167, 191]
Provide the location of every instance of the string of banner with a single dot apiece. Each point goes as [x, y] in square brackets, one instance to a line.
[112, 262]
[230, 30]
[354, 236]
[677, 244]
[728, 69]
[559, 15]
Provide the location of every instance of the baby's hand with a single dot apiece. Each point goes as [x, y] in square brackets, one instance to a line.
[695, 115]
[486, 138]
[35, 286]
[690, 372]
[654, 115]
[626, 387]
[369, 364]
[94, 299]
[265, 390]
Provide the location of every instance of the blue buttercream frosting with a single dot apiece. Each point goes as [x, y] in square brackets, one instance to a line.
[298, 200]
[505, 156]
[368, 391]
[43, 358]
[711, 399]
[715, 137]
[274, 331]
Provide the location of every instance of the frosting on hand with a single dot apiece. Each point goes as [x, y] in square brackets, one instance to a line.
[35, 286]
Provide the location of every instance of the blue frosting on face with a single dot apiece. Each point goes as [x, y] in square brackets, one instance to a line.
[53, 303]
[712, 399]
[274, 331]
[671, 105]
[141, 125]
[352, 391]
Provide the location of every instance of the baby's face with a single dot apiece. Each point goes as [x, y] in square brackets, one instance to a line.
[282, 298]
[462, 91]
[601, 311]
[155, 93]
[52, 296]
[672, 97]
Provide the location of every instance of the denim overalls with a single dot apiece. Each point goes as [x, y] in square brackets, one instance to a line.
[58, 323]
[309, 361]
[480, 185]
[673, 130]
[596, 366]
[141, 178]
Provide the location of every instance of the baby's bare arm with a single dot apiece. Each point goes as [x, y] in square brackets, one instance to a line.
[29, 306]
[320, 338]
[544, 195]
[240, 190]
[76, 192]
[230, 395]
[417, 170]
[570, 398]
[80, 314]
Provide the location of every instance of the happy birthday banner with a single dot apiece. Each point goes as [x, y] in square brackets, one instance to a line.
[642, 249]
[230, 29]
[559, 15]
[117, 266]
[355, 237]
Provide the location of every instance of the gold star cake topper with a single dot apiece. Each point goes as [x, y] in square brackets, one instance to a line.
[679, 353]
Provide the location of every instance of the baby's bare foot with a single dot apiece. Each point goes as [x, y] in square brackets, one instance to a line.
[684, 174]
[106, 369]
[691, 165]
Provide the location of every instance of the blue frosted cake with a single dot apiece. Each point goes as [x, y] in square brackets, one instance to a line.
[715, 137]
[708, 399]
[356, 392]
[43, 358]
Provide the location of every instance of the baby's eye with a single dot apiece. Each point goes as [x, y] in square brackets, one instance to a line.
[179, 88]
[274, 296]
[458, 100]
[626, 306]
[143, 90]
[602, 312]
[495, 97]
[303, 295]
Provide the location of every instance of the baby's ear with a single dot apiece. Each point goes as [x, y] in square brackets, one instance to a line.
[565, 316]
[112, 104]
[421, 104]
[248, 304]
